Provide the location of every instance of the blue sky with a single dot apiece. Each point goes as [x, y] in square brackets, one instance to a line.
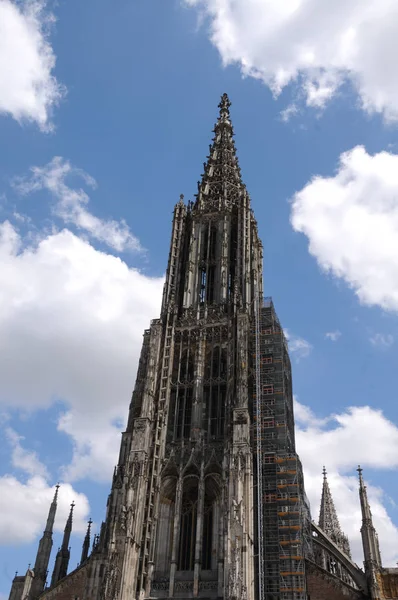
[105, 118]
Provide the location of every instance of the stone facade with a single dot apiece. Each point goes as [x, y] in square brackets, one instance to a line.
[72, 587]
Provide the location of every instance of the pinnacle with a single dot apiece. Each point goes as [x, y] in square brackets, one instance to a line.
[72, 506]
[328, 519]
[56, 492]
[221, 183]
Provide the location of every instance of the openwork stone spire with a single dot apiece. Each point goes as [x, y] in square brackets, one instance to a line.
[369, 536]
[86, 543]
[221, 184]
[328, 519]
[63, 554]
[44, 550]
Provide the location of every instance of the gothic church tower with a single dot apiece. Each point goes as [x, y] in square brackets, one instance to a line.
[186, 515]
[207, 498]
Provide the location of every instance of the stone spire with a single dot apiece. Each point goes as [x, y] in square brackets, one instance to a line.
[328, 519]
[221, 184]
[44, 550]
[370, 541]
[86, 544]
[63, 554]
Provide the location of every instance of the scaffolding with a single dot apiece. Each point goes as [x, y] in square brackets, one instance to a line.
[281, 505]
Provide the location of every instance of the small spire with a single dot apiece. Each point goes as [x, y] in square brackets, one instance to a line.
[44, 550]
[63, 554]
[86, 543]
[370, 539]
[224, 105]
[328, 519]
[221, 184]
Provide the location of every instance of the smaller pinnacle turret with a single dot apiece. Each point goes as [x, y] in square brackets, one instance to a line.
[86, 544]
[63, 554]
[44, 550]
[370, 539]
[328, 519]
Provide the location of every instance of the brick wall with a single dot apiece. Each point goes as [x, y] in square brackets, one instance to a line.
[69, 588]
[388, 581]
[321, 587]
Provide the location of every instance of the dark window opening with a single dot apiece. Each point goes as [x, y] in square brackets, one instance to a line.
[204, 244]
[183, 413]
[187, 367]
[233, 243]
[210, 285]
[186, 555]
[213, 243]
[207, 534]
[202, 291]
[215, 398]
[215, 391]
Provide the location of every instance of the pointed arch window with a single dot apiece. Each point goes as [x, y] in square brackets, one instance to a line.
[183, 413]
[215, 391]
[233, 246]
[207, 271]
[207, 540]
[189, 514]
[187, 366]
[213, 243]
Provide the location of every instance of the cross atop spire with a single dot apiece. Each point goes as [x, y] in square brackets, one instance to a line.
[221, 185]
[328, 519]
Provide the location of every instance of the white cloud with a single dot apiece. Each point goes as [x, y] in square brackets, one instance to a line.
[78, 315]
[316, 45]
[359, 435]
[298, 346]
[25, 460]
[333, 336]
[351, 221]
[32, 500]
[305, 416]
[28, 89]
[289, 112]
[382, 340]
[71, 203]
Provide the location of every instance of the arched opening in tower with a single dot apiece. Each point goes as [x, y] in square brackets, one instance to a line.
[189, 514]
[215, 391]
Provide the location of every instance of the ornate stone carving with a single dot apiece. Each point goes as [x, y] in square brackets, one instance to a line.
[134, 472]
[240, 417]
[207, 585]
[110, 588]
[183, 586]
[161, 585]
[123, 518]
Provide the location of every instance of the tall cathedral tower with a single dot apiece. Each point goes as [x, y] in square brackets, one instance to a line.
[207, 496]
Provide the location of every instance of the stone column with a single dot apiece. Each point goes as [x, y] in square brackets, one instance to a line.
[220, 557]
[176, 534]
[199, 532]
[197, 408]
